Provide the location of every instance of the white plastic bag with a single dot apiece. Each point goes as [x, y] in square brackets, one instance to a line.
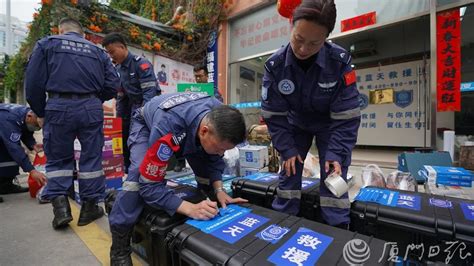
[400, 180]
[231, 159]
[372, 175]
[311, 166]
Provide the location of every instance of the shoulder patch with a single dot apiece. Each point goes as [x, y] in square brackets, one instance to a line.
[340, 54]
[164, 152]
[15, 137]
[350, 78]
[273, 62]
[144, 66]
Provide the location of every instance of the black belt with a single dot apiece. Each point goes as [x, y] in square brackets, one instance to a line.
[71, 95]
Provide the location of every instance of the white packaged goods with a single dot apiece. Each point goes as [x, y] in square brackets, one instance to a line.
[253, 156]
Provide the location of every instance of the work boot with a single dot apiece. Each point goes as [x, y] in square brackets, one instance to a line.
[62, 212]
[180, 164]
[10, 188]
[90, 211]
[120, 252]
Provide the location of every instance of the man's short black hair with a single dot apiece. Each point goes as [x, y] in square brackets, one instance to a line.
[200, 67]
[70, 24]
[114, 37]
[228, 123]
[163, 65]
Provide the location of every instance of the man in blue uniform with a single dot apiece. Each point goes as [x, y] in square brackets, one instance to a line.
[201, 75]
[308, 92]
[138, 81]
[18, 124]
[78, 76]
[198, 126]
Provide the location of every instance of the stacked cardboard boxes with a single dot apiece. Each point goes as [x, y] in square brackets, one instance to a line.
[112, 155]
[253, 159]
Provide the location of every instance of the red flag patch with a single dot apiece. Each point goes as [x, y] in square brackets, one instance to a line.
[144, 66]
[350, 78]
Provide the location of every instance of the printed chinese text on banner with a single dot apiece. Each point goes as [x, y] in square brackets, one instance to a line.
[448, 42]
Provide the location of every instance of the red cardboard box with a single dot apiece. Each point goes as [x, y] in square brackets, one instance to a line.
[113, 167]
[112, 125]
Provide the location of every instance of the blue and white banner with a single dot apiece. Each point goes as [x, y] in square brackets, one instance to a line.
[305, 247]
[240, 227]
[468, 210]
[231, 213]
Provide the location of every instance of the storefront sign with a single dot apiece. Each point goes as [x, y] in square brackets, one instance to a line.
[211, 58]
[260, 32]
[358, 22]
[448, 42]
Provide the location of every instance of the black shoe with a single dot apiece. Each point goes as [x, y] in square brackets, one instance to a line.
[180, 164]
[62, 212]
[10, 188]
[1, 199]
[120, 252]
[90, 211]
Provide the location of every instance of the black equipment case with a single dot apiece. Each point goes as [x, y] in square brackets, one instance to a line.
[262, 191]
[191, 246]
[444, 226]
[149, 233]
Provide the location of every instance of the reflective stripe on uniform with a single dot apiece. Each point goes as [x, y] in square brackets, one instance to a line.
[59, 173]
[146, 180]
[90, 175]
[202, 180]
[268, 114]
[6, 164]
[348, 114]
[145, 85]
[289, 194]
[334, 202]
[130, 186]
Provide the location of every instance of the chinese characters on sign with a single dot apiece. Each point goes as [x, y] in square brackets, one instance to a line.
[211, 58]
[358, 22]
[448, 52]
[303, 248]
[261, 31]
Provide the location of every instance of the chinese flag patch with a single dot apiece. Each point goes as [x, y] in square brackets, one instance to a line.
[350, 78]
[144, 66]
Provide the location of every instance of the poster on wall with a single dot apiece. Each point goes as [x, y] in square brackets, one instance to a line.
[170, 73]
[399, 118]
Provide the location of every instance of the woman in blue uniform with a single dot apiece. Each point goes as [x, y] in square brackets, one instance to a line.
[309, 91]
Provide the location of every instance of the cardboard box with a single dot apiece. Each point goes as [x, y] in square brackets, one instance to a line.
[113, 167]
[112, 146]
[112, 125]
[450, 176]
[246, 171]
[252, 156]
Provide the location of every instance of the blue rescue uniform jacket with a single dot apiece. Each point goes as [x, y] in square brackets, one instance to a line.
[322, 99]
[138, 79]
[13, 131]
[68, 64]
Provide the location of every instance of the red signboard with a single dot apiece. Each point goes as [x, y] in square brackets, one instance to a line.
[448, 52]
[358, 22]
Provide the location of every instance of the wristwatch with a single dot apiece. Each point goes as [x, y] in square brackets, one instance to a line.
[219, 189]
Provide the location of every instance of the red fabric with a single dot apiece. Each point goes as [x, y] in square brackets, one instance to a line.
[144, 66]
[286, 7]
[350, 78]
[153, 167]
[40, 160]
